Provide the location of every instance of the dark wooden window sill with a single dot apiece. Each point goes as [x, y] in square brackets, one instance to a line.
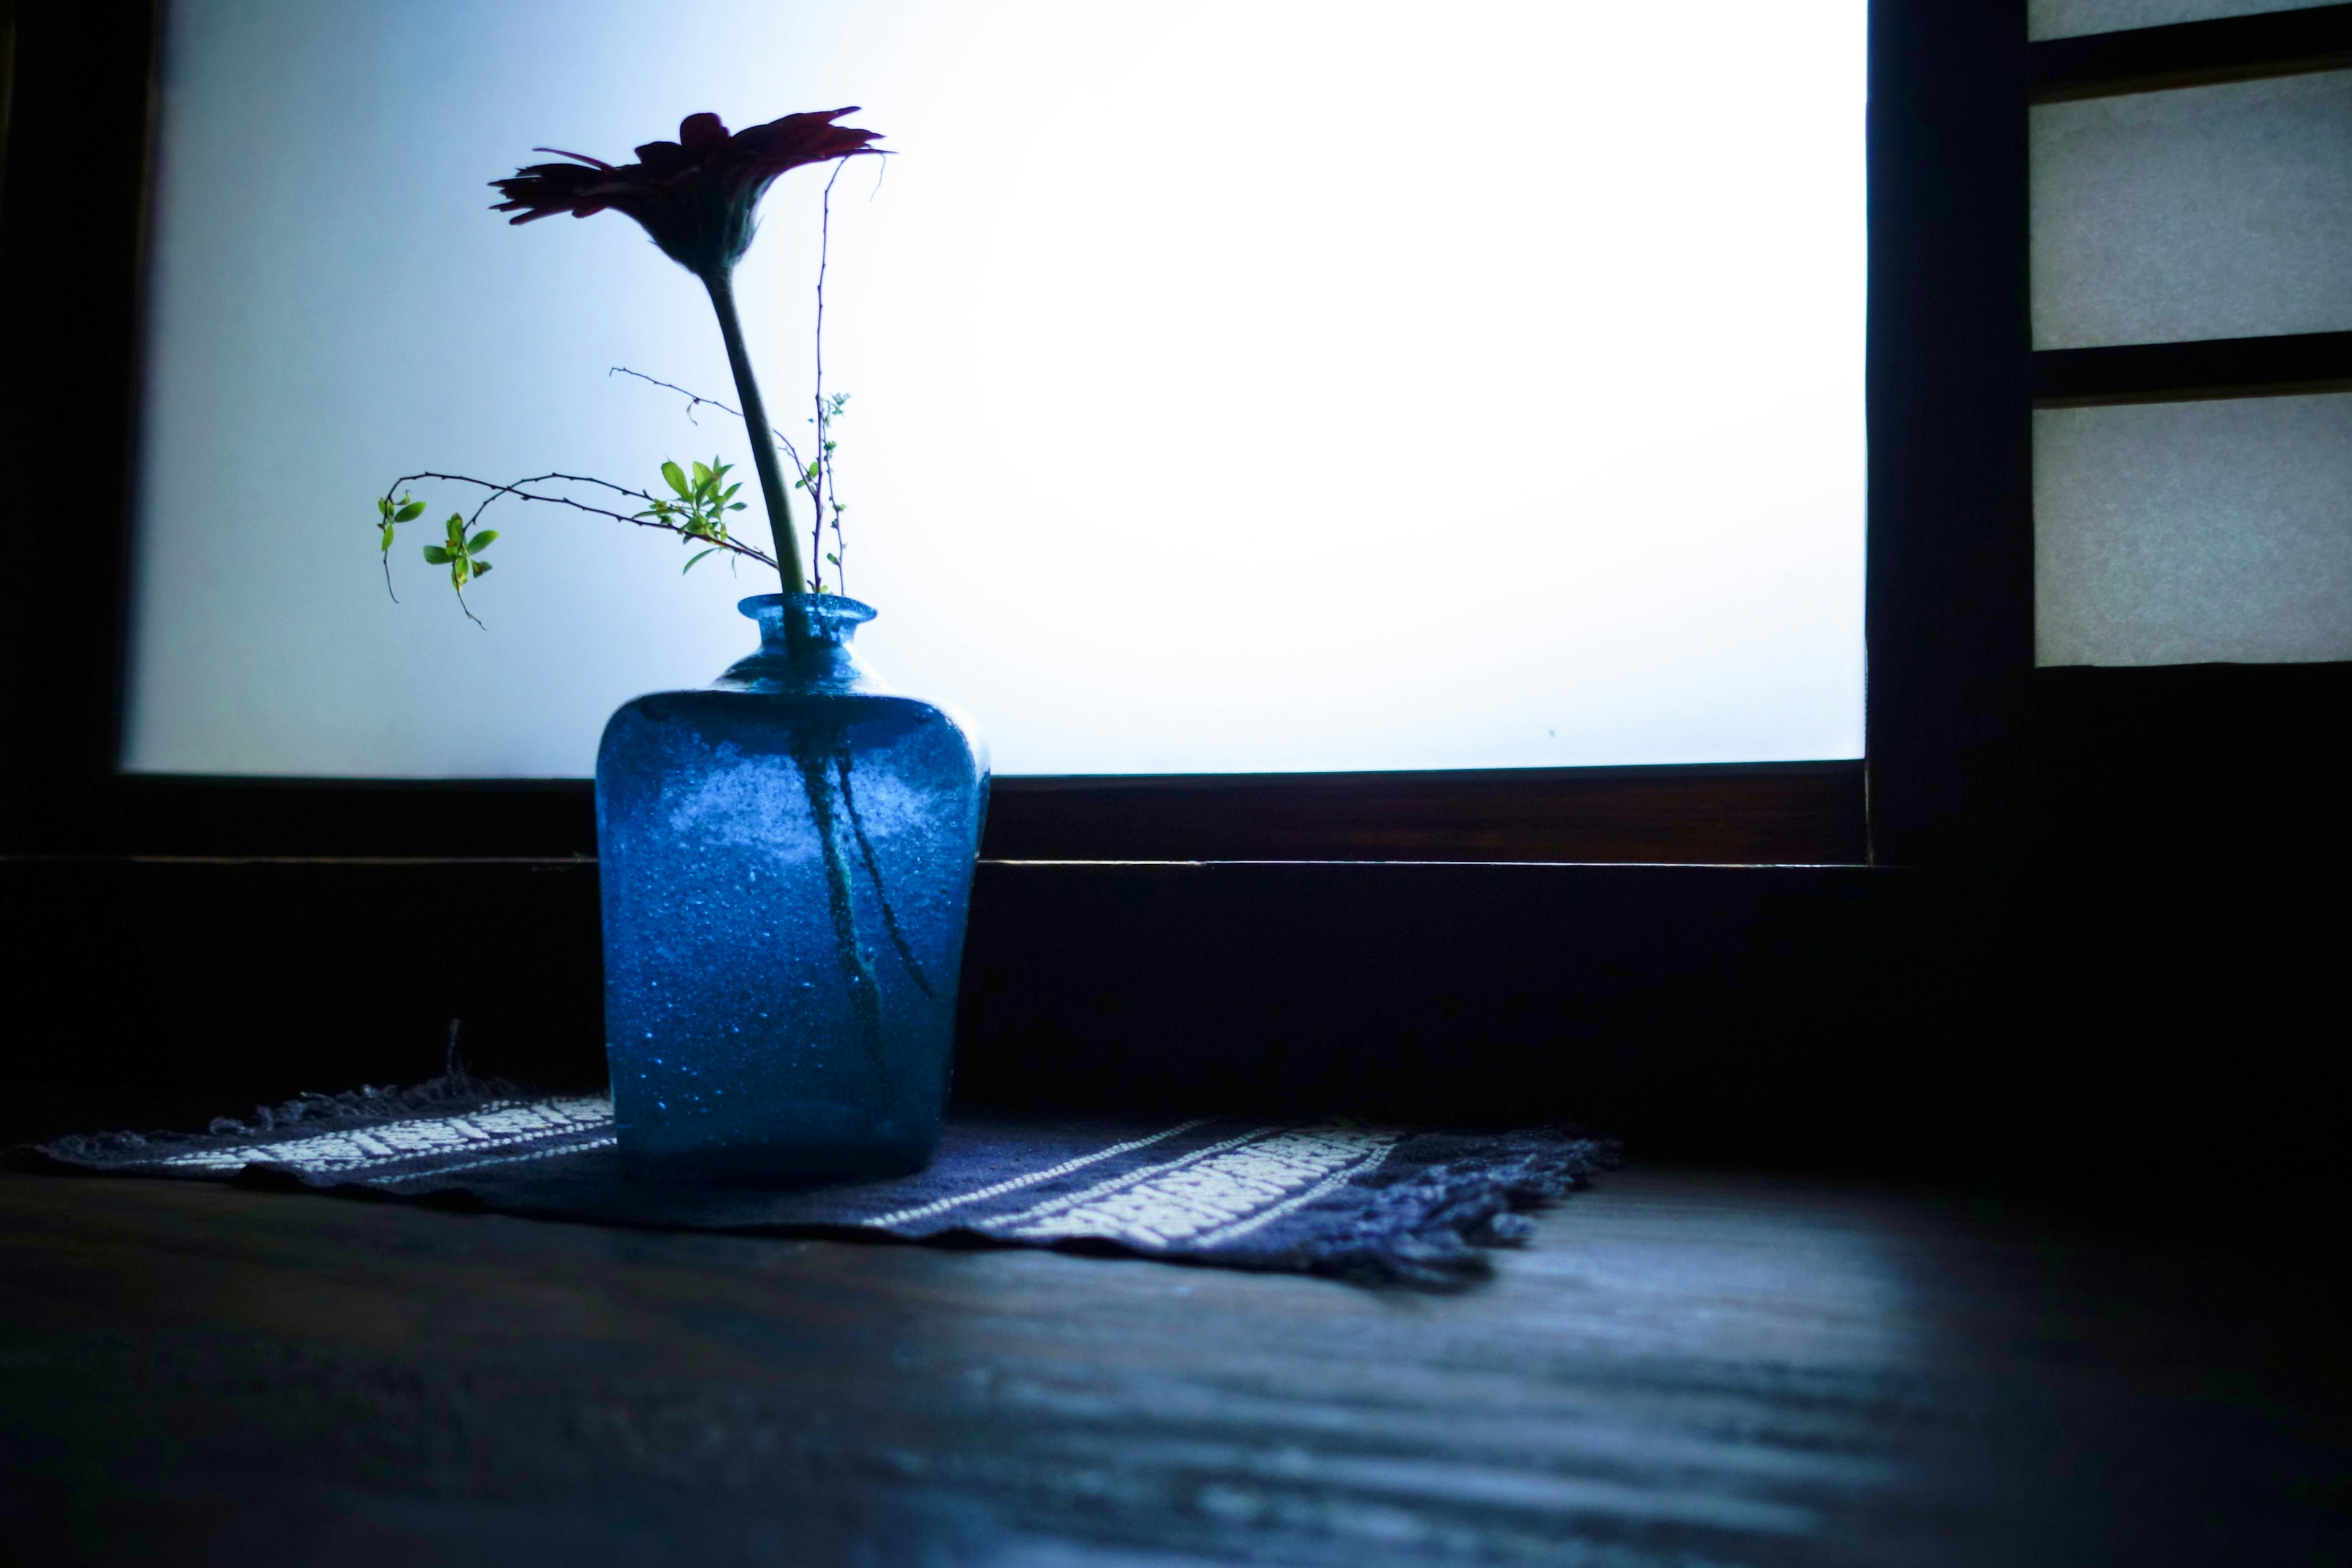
[1766, 813]
[1741, 813]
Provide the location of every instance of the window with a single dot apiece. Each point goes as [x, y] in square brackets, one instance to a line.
[1237, 388]
[1949, 606]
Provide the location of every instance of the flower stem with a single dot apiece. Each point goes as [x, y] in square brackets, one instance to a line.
[857, 974]
[721, 284]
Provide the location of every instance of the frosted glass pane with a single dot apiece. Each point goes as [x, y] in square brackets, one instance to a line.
[2071, 18]
[2191, 532]
[2209, 212]
[1235, 387]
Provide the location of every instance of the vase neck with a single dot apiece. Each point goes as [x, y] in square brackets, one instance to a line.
[804, 645]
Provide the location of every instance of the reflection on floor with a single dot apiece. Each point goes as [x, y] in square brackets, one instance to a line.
[1683, 1367]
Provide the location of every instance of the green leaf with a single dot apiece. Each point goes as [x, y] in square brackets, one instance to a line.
[383, 508]
[481, 541]
[455, 528]
[410, 511]
[677, 478]
[702, 476]
[728, 494]
[482, 568]
[387, 538]
[436, 556]
[698, 555]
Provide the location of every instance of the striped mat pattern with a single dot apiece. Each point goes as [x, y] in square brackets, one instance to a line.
[1319, 1196]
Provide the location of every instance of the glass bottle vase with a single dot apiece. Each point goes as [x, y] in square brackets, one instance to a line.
[786, 861]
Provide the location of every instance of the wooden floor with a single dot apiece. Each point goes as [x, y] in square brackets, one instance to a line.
[1685, 1367]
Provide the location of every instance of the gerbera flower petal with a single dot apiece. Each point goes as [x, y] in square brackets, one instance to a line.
[695, 196]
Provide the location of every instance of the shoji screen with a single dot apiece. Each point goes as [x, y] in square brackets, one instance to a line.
[2193, 461]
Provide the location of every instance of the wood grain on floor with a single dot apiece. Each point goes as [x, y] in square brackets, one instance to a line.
[1684, 1367]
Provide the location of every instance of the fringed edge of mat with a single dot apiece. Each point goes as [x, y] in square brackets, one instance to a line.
[1442, 1205]
[1457, 1214]
[451, 1094]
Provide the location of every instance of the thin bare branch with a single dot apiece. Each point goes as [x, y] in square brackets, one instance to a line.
[814, 476]
[693, 398]
[820, 473]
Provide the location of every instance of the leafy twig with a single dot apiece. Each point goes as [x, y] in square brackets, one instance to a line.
[701, 506]
[645, 519]
[460, 551]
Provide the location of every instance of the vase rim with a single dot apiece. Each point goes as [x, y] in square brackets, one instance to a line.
[837, 608]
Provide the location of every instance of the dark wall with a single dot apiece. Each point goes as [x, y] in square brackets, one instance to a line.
[2150, 1027]
[71, 213]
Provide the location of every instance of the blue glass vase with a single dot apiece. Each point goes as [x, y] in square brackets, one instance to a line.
[786, 862]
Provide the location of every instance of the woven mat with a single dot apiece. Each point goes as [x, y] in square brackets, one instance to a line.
[1331, 1198]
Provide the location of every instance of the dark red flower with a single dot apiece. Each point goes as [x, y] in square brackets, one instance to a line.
[695, 196]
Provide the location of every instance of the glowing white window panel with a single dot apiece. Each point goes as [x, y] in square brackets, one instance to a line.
[2194, 533]
[1236, 385]
[2208, 212]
